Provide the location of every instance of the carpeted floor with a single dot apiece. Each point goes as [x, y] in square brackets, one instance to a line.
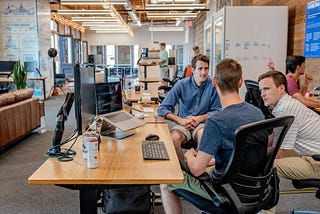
[20, 161]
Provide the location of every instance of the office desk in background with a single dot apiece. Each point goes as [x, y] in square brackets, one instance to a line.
[120, 162]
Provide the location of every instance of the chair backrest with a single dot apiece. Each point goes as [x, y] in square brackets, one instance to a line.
[253, 97]
[248, 188]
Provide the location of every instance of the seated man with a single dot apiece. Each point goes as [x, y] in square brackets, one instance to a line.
[218, 135]
[295, 68]
[303, 136]
[197, 100]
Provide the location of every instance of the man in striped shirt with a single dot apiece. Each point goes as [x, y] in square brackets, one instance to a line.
[303, 136]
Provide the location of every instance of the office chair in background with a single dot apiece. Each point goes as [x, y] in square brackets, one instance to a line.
[238, 192]
[253, 96]
[164, 90]
[307, 183]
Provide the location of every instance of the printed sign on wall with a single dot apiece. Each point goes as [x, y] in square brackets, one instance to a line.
[312, 37]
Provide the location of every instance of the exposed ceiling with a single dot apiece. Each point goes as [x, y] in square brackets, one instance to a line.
[140, 12]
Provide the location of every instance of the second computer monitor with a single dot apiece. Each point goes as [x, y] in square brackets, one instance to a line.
[108, 97]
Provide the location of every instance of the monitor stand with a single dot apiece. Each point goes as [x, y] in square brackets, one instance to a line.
[108, 130]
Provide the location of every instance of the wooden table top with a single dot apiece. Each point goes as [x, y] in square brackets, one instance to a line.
[120, 162]
[147, 80]
[135, 96]
[4, 79]
[149, 117]
[37, 78]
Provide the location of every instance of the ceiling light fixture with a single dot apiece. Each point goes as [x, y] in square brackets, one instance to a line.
[175, 6]
[101, 24]
[165, 28]
[81, 2]
[171, 15]
[84, 12]
[93, 2]
[180, 1]
[109, 31]
[178, 22]
[94, 19]
[108, 28]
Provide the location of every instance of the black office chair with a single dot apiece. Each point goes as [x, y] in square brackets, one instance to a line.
[253, 97]
[234, 191]
[307, 183]
[164, 90]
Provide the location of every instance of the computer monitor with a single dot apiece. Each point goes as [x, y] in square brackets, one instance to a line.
[85, 101]
[6, 68]
[108, 97]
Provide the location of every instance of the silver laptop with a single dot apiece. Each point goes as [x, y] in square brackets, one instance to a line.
[109, 106]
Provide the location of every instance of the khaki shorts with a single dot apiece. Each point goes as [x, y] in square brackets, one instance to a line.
[189, 134]
[298, 168]
[164, 72]
[191, 184]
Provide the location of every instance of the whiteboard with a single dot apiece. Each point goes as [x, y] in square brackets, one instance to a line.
[255, 35]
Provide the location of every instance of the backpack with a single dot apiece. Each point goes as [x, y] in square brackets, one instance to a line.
[135, 199]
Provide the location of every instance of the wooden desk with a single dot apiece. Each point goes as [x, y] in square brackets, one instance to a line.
[4, 79]
[135, 96]
[120, 162]
[149, 117]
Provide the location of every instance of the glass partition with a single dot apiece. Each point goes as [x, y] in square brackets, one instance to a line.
[217, 43]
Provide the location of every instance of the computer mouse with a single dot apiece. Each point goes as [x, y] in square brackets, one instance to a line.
[152, 137]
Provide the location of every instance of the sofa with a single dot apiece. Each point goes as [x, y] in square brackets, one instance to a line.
[20, 114]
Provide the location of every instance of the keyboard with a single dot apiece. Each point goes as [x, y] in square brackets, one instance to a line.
[154, 150]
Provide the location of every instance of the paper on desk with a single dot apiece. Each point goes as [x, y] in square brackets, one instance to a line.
[148, 109]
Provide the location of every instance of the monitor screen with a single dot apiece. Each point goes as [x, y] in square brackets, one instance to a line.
[6, 67]
[108, 97]
[85, 102]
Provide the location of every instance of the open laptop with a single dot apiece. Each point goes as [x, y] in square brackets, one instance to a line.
[109, 106]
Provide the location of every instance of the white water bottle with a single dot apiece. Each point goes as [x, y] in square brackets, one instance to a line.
[92, 156]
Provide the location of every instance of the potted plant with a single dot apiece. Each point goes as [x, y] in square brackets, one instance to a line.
[19, 75]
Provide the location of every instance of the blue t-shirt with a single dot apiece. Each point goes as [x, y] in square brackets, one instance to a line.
[218, 135]
[193, 100]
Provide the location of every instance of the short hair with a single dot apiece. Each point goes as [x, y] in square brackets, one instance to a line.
[278, 78]
[195, 48]
[163, 44]
[228, 74]
[293, 61]
[200, 57]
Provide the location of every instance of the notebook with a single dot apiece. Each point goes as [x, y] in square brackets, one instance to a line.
[109, 106]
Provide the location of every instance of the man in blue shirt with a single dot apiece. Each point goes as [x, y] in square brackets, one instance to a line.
[218, 136]
[197, 101]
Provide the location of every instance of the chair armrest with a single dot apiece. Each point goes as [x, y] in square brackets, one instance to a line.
[164, 87]
[204, 176]
[204, 179]
[165, 79]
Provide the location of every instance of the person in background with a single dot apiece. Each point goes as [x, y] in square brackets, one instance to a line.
[196, 50]
[218, 136]
[295, 68]
[163, 63]
[197, 100]
[302, 141]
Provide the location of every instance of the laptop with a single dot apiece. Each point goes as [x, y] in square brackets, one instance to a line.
[108, 130]
[109, 106]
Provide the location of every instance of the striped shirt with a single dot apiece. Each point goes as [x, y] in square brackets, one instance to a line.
[304, 133]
